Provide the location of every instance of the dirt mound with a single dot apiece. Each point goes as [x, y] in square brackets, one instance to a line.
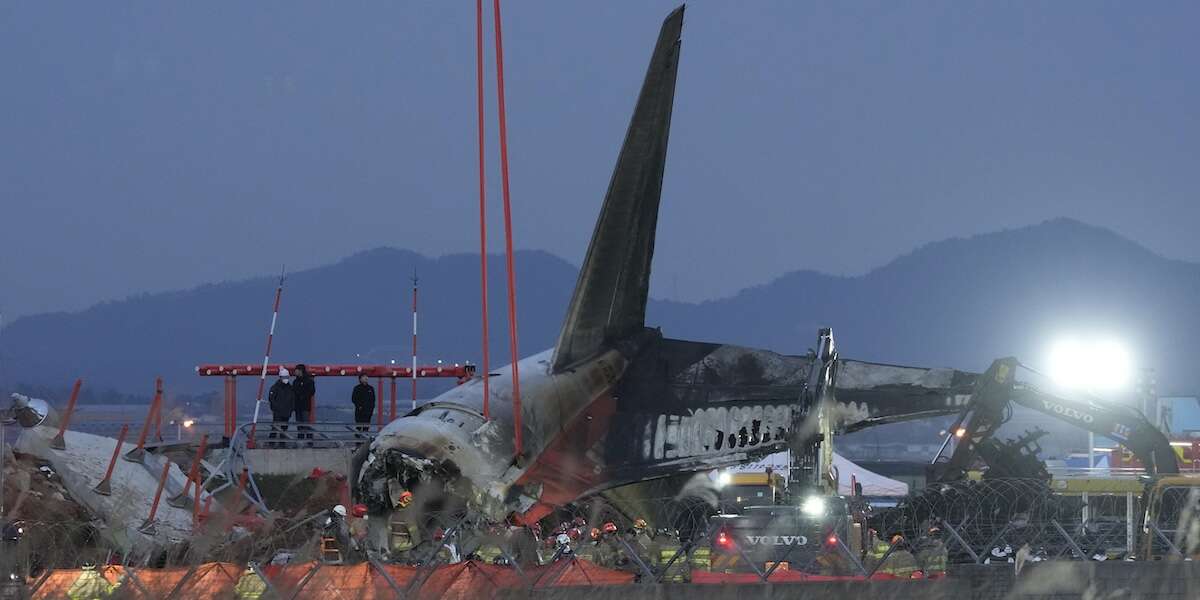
[34, 492]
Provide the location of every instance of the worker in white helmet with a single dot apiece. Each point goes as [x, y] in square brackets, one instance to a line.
[282, 400]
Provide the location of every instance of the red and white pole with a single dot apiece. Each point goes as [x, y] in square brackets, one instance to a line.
[508, 249]
[414, 343]
[483, 257]
[262, 379]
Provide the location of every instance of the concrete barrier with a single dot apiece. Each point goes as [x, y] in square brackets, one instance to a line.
[298, 461]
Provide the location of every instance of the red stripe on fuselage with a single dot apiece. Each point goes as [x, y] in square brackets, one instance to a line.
[564, 468]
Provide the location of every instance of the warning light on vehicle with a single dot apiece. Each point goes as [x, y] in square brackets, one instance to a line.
[724, 541]
[958, 433]
[832, 540]
[814, 506]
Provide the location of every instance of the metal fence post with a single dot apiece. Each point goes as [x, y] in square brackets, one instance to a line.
[958, 538]
[1163, 537]
[992, 544]
[854, 559]
[304, 580]
[1071, 542]
[274, 593]
[132, 576]
[890, 550]
[179, 585]
[636, 559]
[387, 578]
[1129, 529]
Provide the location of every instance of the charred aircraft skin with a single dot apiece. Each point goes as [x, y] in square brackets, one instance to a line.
[614, 403]
[661, 408]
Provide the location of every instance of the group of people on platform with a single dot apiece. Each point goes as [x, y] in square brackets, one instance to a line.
[292, 397]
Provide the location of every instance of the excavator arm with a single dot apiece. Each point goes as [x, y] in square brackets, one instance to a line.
[998, 389]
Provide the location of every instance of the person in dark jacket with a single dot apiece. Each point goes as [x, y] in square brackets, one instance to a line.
[282, 400]
[305, 389]
[363, 398]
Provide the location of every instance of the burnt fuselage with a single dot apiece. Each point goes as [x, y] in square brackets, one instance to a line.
[654, 408]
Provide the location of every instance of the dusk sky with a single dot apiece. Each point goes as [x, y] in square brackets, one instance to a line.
[154, 146]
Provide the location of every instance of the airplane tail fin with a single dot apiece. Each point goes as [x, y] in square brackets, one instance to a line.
[614, 282]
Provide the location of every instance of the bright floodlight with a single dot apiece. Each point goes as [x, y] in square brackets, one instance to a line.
[814, 506]
[724, 478]
[1094, 365]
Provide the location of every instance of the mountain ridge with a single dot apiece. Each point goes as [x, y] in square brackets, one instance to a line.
[956, 302]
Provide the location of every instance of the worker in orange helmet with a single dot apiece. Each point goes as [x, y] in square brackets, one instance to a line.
[643, 543]
[606, 552]
[901, 562]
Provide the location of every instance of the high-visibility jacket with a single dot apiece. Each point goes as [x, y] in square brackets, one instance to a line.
[701, 558]
[678, 570]
[933, 558]
[901, 563]
[607, 553]
[646, 548]
[875, 555]
[249, 586]
[404, 534]
[90, 585]
[489, 553]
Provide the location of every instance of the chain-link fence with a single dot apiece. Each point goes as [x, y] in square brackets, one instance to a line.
[435, 554]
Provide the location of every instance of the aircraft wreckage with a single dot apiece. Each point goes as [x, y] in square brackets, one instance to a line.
[616, 408]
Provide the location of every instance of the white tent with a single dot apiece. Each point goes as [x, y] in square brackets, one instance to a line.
[873, 484]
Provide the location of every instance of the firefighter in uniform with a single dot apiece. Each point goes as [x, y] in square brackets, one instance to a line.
[700, 559]
[249, 586]
[90, 585]
[607, 552]
[932, 555]
[876, 550]
[404, 535]
[668, 548]
[901, 562]
[643, 543]
[336, 544]
[588, 548]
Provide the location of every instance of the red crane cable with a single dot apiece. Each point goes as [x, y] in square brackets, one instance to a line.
[483, 260]
[508, 251]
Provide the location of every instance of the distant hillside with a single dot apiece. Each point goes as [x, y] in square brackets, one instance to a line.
[962, 302]
[958, 302]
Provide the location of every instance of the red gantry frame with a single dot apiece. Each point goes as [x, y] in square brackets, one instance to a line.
[379, 372]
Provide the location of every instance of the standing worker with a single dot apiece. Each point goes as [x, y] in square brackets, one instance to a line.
[363, 398]
[282, 400]
[306, 389]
